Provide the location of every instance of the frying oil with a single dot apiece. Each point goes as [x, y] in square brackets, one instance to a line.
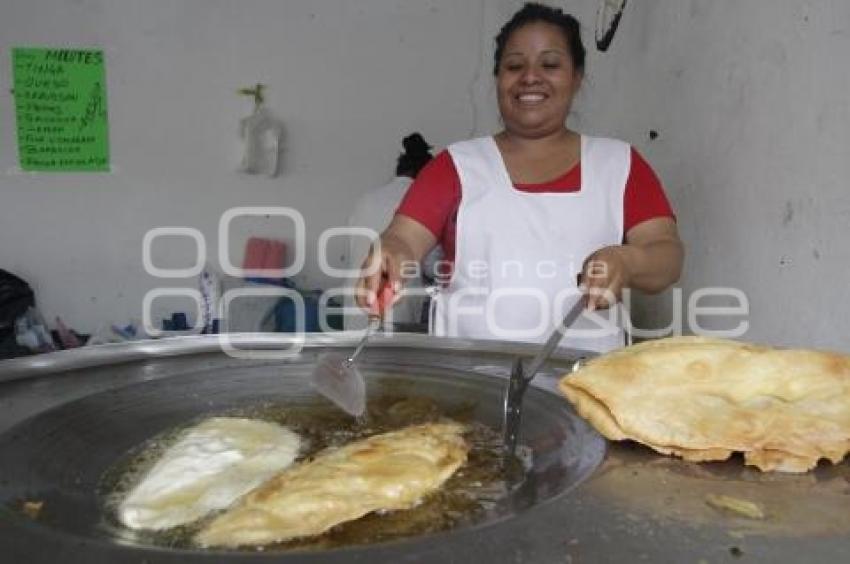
[464, 499]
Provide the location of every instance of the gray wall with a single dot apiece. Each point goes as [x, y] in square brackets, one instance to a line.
[749, 98]
[348, 78]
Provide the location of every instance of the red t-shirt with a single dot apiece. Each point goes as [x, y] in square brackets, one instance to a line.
[434, 197]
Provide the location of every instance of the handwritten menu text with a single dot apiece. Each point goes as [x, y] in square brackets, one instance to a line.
[60, 103]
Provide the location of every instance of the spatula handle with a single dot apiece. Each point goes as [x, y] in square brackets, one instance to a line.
[385, 300]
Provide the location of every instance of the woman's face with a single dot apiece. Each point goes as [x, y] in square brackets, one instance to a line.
[536, 81]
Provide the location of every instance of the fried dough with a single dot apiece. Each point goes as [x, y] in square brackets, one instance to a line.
[384, 472]
[209, 467]
[703, 399]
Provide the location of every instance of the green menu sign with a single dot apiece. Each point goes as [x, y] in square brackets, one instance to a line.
[60, 103]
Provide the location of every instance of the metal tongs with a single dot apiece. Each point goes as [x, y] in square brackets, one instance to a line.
[520, 379]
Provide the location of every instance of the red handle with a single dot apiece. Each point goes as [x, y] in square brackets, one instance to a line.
[385, 298]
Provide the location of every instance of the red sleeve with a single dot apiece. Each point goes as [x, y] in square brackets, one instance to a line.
[434, 196]
[644, 198]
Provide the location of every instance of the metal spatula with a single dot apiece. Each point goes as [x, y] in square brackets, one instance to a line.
[520, 379]
[336, 376]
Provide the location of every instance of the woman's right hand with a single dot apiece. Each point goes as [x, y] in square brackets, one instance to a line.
[382, 266]
[403, 243]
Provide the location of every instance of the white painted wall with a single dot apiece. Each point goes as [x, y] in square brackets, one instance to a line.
[348, 78]
[749, 98]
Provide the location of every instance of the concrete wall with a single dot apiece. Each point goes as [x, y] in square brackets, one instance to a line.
[348, 79]
[749, 98]
[750, 101]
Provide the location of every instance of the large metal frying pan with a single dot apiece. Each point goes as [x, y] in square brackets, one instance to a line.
[637, 507]
[84, 419]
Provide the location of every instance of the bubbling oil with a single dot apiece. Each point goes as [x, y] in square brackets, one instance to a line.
[466, 498]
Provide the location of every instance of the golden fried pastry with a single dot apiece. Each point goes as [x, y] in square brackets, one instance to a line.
[703, 399]
[383, 472]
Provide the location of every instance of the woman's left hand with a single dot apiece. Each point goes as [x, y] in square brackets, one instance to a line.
[604, 275]
[649, 261]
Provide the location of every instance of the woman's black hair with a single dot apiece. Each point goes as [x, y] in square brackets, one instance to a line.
[533, 12]
[416, 154]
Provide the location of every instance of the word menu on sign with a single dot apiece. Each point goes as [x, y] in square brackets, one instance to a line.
[60, 105]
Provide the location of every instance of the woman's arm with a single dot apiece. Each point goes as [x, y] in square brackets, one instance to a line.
[405, 241]
[650, 260]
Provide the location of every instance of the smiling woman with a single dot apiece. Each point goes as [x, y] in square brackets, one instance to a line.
[539, 67]
[538, 193]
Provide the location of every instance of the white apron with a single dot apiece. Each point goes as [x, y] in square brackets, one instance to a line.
[518, 253]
